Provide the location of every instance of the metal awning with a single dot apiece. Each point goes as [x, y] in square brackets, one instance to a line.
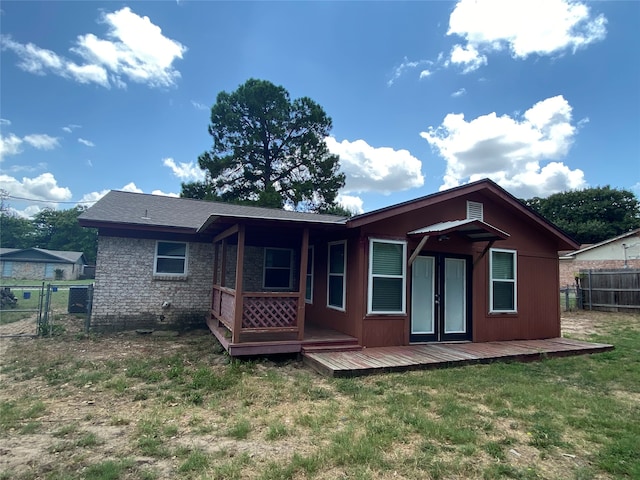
[472, 229]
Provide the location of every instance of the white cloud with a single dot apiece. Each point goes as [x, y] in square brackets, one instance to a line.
[42, 141]
[92, 197]
[164, 194]
[89, 199]
[185, 171]
[459, 93]
[524, 27]
[4, 121]
[370, 169]
[199, 106]
[350, 203]
[131, 187]
[71, 127]
[135, 50]
[10, 145]
[44, 187]
[407, 65]
[40, 61]
[467, 56]
[88, 143]
[510, 150]
[425, 74]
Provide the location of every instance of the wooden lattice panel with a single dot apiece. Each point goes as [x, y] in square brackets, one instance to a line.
[269, 312]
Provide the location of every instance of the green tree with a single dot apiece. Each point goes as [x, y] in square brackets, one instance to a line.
[590, 215]
[15, 232]
[268, 150]
[60, 230]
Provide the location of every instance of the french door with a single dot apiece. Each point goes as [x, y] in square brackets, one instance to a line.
[440, 298]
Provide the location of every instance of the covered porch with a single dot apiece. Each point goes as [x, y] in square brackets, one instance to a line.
[259, 293]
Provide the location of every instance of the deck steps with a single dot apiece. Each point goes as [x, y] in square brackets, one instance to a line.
[331, 347]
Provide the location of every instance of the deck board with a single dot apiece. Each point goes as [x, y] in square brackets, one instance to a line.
[389, 359]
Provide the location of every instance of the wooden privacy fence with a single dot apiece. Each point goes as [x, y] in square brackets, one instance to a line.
[610, 290]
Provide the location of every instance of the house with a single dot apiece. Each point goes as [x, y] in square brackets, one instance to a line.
[472, 263]
[41, 264]
[622, 251]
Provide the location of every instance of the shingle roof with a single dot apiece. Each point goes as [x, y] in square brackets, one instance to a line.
[27, 254]
[592, 246]
[140, 209]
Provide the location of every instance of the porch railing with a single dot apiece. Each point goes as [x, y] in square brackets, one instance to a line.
[262, 311]
[224, 305]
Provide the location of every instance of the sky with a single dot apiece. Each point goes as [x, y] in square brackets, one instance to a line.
[540, 96]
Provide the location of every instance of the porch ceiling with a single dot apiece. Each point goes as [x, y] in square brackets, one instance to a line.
[473, 230]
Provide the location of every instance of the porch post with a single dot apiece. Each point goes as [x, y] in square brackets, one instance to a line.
[216, 265]
[237, 321]
[223, 276]
[302, 285]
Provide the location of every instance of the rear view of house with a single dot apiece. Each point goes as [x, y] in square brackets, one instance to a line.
[467, 264]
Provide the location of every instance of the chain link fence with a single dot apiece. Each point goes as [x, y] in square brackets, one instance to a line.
[44, 310]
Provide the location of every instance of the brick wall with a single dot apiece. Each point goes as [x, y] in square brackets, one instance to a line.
[36, 270]
[128, 295]
[253, 268]
[570, 268]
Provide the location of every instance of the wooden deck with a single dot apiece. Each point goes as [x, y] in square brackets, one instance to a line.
[413, 357]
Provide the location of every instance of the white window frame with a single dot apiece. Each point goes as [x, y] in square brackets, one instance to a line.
[309, 292]
[264, 268]
[514, 281]
[403, 276]
[169, 274]
[343, 275]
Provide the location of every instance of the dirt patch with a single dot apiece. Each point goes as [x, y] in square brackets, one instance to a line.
[583, 324]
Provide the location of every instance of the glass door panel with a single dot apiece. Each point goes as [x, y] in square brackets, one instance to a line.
[455, 296]
[422, 297]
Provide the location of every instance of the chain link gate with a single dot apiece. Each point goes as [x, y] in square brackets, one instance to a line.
[44, 310]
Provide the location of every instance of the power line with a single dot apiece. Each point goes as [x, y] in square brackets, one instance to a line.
[44, 201]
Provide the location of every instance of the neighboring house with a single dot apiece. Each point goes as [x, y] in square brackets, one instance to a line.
[622, 251]
[472, 263]
[41, 264]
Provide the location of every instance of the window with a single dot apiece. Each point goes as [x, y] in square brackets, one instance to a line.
[49, 270]
[171, 258]
[308, 291]
[277, 268]
[387, 280]
[7, 269]
[336, 282]
[503, 291]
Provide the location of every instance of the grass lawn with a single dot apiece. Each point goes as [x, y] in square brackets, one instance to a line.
[152, 407]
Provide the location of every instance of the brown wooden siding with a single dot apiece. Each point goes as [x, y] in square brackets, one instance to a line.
[318, 313]
[538, 313]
